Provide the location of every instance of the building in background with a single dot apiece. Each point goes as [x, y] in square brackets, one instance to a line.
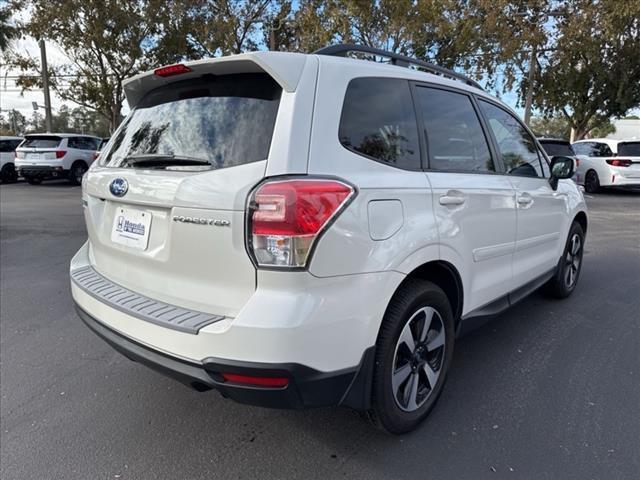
[626, 129]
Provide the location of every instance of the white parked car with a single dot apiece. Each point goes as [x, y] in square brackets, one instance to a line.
[8, 147]
[608, 163]
[56, 155]
[305, 230]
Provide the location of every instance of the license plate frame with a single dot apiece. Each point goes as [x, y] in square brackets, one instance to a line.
[131, 228]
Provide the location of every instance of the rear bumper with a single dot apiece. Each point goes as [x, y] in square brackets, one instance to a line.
[306, 388]
[41, 170]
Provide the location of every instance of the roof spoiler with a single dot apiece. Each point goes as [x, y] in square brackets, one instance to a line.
[285, 68]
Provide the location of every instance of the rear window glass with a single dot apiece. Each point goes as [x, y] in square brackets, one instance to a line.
[593, 149]
[560, 149]
[225, 120]
[83, 143]
[41, 142]
[9, 145]
[379, 121]
[631, 149]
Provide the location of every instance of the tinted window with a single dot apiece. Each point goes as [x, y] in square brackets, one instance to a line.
[593, 149]
[41, 142]
[562, 149]
[9, 145]
[379, 121]
[226, 120]
[517, 147]
[455, 139]
[83, 143]
[632, 149]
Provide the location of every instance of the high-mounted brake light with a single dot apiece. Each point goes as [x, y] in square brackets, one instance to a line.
[60, 153]
[619, 162]
[287, 216]
[171, 70]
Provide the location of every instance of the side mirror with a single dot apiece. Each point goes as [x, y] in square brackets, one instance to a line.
[561, 167]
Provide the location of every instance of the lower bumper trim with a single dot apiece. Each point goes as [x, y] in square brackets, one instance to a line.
[307, 387]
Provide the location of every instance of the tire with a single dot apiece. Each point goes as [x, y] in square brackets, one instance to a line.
[591, 182]
[564, 281]
[8, 173]
[76, 173]
[33, 180]
[402, 400]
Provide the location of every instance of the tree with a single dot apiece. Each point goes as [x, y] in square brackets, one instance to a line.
[552, 127]
[8, 31]
[106, 41]
[592, 75]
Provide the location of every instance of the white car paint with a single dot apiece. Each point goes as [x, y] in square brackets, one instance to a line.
[47, 162]
[328, 314]
[7, 158]
[608, 175]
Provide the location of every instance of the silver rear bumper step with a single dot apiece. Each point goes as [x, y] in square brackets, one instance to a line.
[139, 306]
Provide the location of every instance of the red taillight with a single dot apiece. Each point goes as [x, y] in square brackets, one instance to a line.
[619, 162]
[96, 155]
[577, 161]
[272, 382]
[60, 153]
[170, 70]
[286, 216]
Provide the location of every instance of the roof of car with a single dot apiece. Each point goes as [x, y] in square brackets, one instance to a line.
[284, 67]
[608, 141]
[551, 139]
[64, 135]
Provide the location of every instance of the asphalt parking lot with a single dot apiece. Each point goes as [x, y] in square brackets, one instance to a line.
[547, 390]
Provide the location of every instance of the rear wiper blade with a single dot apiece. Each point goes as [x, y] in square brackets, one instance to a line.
[151, 160]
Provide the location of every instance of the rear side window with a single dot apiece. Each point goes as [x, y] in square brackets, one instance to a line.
[516, 146]
[226, 120]
[41, 141]
[593, 149]
[631, 149]
[455, 139]
[379, 121]
[560, 149]
[9, 145]
[83, 143]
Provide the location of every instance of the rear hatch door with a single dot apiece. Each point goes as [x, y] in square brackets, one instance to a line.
[165, 203]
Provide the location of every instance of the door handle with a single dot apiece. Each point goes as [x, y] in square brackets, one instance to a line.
[452, 198]
[525, 199]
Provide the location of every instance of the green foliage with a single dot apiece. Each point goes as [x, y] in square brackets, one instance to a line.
[8, 30]
[65, 120]
[552, 127]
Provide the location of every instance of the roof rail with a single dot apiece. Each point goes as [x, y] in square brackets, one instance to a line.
[343, 49]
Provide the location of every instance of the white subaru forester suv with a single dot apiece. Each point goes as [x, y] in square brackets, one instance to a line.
[309, 230]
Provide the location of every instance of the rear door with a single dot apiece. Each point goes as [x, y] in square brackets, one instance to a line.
[39, 149]
[629, 160]
[165, 205]
[473, 203]
[541, 211]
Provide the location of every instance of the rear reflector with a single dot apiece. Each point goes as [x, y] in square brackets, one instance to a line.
[619, 162]
[170, 70]
[272, 382]
[60, 153]
[286, 217]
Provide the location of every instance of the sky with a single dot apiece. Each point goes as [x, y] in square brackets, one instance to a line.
[11, 97]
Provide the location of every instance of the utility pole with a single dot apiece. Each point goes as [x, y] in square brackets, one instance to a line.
[533, 62]
[45, 85]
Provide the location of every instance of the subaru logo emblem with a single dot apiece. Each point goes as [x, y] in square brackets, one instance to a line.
[118, 187]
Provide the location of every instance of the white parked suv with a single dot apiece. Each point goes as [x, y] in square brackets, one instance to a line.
[56, 155]
[307, 230]
[608, 163]
[8, 147]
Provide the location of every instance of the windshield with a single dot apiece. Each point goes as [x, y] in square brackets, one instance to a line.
[222, 120]
[631, 149]
[562, 149]
[41, 142]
